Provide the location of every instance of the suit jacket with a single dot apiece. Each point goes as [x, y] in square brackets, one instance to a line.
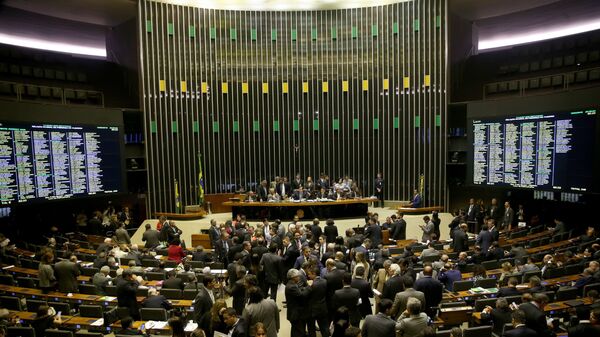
[297, 183]
[523, 331]
[100, 281]
[296, 298]
[484, 240]
[158, 302]
[378, 326]
[331, 232]
[461, 241]
[432, 289]
[366, 292]
[202, 303]
[392, 286]
[334, 282]
[221, 252]
[348, 297]
[214, 234]
[316, 231]
[126, 295]
[272, 266]
[122, 236]
[507, 219]
[279, 190]
[427, 231]
[498, 318]
[508, 291]
[417, 201]
[289, 256]
[536, 319]
[399, 230]
[239, 329]
[472, 212]
[173, 283]
[317, 302]
[402, 298]
[151, 237]
[373, 232]
[495, 213]
[411, 325]
[263, 193]
[66, 273]
[266, 312]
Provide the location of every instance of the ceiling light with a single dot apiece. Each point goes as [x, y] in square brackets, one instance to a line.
[549, 33]
[61, 47]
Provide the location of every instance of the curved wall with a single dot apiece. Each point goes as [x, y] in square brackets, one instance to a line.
[259, 94]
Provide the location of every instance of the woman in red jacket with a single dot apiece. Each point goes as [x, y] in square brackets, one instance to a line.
[176, 253]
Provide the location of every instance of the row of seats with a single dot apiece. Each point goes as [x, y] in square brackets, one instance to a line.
[32, 92]
[554, 62]
[8, 68]
[29, 332]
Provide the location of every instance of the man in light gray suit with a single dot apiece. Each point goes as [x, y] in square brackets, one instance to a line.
[429, 251]
[151, 237]
[509, 215]
[412, 322]
[402, 297]
[381, 324]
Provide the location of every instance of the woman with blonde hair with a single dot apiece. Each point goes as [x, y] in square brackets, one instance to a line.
[360, 260]
[212, 320]
[507, 269]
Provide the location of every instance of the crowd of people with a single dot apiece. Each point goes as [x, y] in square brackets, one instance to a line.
[329, 279]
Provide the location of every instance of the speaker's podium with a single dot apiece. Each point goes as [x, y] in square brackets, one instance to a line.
[192, 212]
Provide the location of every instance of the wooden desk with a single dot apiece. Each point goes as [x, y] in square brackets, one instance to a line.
[489, 273]
[21, 252]
[550, 246]
[455, 315]
[527, 238]
[85, 251]
[554, 306]
[182, 216]
[349, 208]
[420, 210]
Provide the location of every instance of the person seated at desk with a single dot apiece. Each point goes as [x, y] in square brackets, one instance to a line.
[511, 289]
[416, 201]
[323, 194]
[448, 275]
[127, 328]
[586, 330]
[156, 300]
[251, 197]
[300, 194]
[339, 194]
[273, 196]
[535, 285]
[45, 318]
[497, 316]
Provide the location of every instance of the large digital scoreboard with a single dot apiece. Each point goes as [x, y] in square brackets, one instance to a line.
[55, 161]
[554, 151]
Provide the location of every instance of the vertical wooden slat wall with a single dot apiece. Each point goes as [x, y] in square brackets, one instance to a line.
[262, 93]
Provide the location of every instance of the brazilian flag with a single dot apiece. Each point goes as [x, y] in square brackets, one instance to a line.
[177, 198]
[200, 181]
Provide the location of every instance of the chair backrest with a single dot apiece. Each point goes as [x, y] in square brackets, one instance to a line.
[573, 269]
[190, 294]
[510, 260]
[453, 304]
[431, 258]
[482, 303]
[171, 264]
[153, 314]
[111, 290]
[489, 265]
[418, 248]
[551, 295]
[530, 274]
[58, 333]
[554, 272]
[535, 243]
[516, 298]
[185, 277]
[172, 294]
[88, 289]
[478, 331]
[486, 283]
[462, 285]
[7, 279]
[26, 282]
[591, 286]
[20, 331]
[91, 311]
[88, 334]
[506, 327]
[155, 276]
[566, 293]
[89, 271]
[10, 302]
[32, 305]
[395, 250]
[217, 265]
[65, 308]
[443, 333]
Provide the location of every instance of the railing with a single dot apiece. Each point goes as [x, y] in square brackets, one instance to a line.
[49, 94]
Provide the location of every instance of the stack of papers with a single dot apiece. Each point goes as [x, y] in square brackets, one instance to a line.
[99, 322]
[156, 324]
[191, 326]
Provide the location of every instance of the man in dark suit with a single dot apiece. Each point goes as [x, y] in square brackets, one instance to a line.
[494, 211]
[156, 301]
[535, 317]
[399, 232]
[348, 297]
[373, 232]
[200, 255]
[472, 213]
[511, 289]
[296, 298]
[381, 324]
[416, 201]
[335, 281]
[394, 284]
[432, 289]
[151, 237]
[364, 288]
[493, 230]
[317, 304]
[497, 316]
[315, 229]
[262, 191]
[205, 298]
[126, 293]
[283, 189]
[379, 189]
[300, 194]
[127, 328]
[297, 182]
[214, 233]
[330, 231]
[237, 325]
[509, 215]
[289, 254]
[271, 265]
[484, 239]
[222, 248]
[172, 281]
[461, 240]
[66, 272]
[587, 330]
[519, 328]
